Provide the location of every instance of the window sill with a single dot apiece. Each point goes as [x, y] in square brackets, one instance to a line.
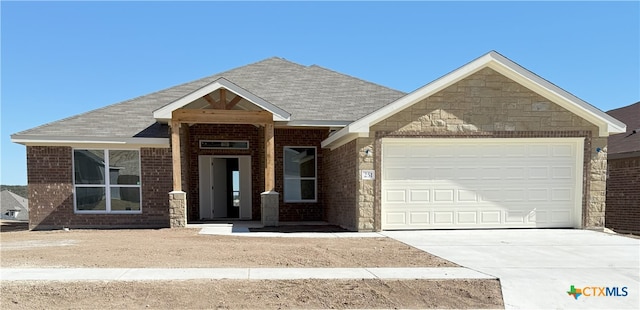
[107, 213]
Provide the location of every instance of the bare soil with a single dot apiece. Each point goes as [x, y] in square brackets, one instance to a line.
[167, 248]
[235, 294]
[176, 248]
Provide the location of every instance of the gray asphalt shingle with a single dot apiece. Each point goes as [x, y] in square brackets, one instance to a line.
[307, 92]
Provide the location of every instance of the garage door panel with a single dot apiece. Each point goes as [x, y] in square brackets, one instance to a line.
[562, 151]
[396, 218]
[442, 217]
[526, 184]
[419, 218]
[467, 217]
[443, 195]
[395, 196]
[490, 217]
[419, 195]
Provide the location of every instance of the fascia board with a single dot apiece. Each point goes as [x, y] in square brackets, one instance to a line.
[164, 113]
[334, 142]
[74, 141]
[313, 123]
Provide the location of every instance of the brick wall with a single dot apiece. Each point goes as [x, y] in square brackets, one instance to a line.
[485, 104]
[340, 175]
[623, 195]
[50, 177]
[50, 187]
[253, 134]
[299, 211]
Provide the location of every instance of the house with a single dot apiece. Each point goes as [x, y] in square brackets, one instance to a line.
[13, 207]
[623, 177]
[489, 145]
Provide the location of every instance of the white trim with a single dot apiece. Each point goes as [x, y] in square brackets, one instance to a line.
[508, 68]
[96, 142]
[164, 114]
[107, 184]
[312, 123]
[315, 178]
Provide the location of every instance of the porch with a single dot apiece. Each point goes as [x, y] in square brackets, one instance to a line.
[226, 164]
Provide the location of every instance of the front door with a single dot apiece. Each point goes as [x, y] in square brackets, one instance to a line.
[225, 187]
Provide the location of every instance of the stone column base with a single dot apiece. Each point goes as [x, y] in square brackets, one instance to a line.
[270, 208]
[177, 209]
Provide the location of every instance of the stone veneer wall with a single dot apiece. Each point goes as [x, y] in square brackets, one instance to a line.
[623, 195]
[50, 177]
[340, 174]
[484, 105]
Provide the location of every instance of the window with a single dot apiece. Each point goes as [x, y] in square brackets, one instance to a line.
[106, 181]
[300, 174]
[224, 144]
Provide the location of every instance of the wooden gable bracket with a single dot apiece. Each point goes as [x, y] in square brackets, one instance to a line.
[233, 102]
[222, 103]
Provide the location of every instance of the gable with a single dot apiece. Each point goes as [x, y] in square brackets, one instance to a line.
[484, 101]
[164, 114]
[503, 66]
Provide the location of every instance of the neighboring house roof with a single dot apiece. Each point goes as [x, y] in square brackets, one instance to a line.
[629, 141]
[13, 202]
[301, 93]
[502, 65]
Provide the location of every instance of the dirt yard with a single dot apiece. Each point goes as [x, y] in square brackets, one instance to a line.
[236, 294]
[174, 248]
[169, 248]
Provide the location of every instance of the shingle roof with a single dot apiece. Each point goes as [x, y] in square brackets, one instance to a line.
[307, 92]
[626, 142]
[11, 201]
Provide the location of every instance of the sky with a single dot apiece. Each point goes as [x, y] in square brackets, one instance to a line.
[60, 59]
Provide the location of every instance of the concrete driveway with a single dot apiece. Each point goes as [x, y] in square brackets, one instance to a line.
[537, 267]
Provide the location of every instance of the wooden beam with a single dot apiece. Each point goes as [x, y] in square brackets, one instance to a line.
[269, 163]
[175, 154]
[233, 102]
[209, 99]
[209, 116]
[223, 97]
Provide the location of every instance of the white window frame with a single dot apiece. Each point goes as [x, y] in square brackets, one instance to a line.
[107, 183]
[223, 147]
[315, 178]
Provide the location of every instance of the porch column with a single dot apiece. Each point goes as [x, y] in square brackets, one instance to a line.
[177, 198]
[270, 198]
[175, 155]
[269, 162]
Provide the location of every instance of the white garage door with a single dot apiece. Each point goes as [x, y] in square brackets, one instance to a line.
[481, 183]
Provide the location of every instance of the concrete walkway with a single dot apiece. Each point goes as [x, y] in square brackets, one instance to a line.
[163, 274]
[537, 267]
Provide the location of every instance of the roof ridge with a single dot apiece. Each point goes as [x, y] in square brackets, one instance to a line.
[355, 78]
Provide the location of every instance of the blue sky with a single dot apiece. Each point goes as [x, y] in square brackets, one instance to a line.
[59, 59]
